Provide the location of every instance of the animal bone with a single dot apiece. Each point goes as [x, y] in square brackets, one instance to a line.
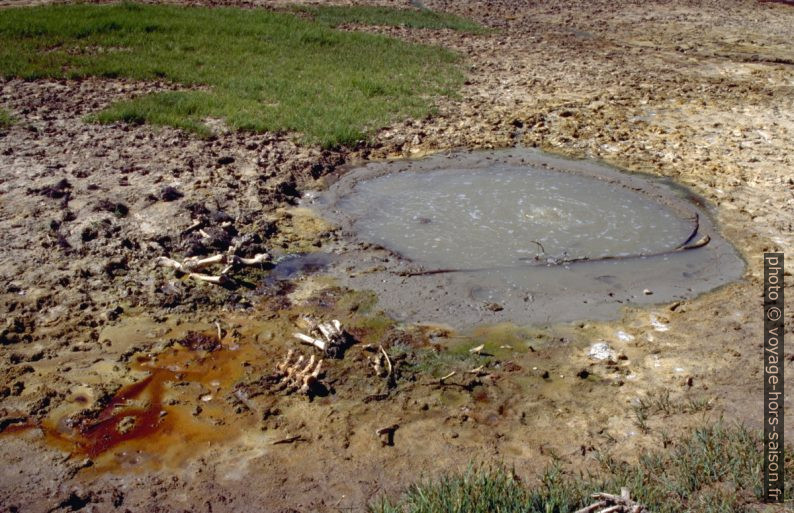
[382, 365]
[477, 350]
[328, 337]
[444, 378]
[316, 342]
[478, 371]
[298, 377]
[608, 503]
[377, 365]
[221, 279]
[386, 434]
[388, 361]
[191, 264]
[283, 366]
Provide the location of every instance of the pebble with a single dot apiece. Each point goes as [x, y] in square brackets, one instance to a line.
[601, 351]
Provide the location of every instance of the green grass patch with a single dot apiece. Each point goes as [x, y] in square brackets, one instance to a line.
[715, 470]
[437, 363]
[258, 70]
[6, 120]
[333, 16]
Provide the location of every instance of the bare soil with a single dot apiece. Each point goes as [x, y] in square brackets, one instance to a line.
[118, 394]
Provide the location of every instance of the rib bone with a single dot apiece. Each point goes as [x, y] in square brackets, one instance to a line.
[300, 377]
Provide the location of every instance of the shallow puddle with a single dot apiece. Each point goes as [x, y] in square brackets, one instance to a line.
[297, 265]
[522, 236]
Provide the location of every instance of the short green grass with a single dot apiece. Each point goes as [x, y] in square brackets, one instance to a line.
[6, 120]
[258, 70]
[715, 470]
[333, 16]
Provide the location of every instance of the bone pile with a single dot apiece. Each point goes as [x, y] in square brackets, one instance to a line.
[328, 337]
[299, 375]
[228, 260]
[608, 503]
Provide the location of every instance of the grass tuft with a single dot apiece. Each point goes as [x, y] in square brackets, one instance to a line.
[258, 70]
[715, 470]
[6, 120]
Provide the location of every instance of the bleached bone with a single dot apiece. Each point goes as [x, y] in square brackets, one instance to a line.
[218, 280]
[377, 362]
[381, 364]
[259, 258]
[478, 371]
[170, 262]
[388, 362]
[444, 378]
[297, 376]
[328, 337]
[292, 370]
[316, 342]
[308, 380]
[197, 223]
[221, 279]
[331, 329]
[386, 434]
[195, 264]
[282, 367]
[230, 260]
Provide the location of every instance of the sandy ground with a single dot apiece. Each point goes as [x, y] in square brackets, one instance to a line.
[702, 92]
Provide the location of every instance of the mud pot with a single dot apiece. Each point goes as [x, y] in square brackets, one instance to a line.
[521, 236]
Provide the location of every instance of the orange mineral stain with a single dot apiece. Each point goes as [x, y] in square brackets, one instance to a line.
[152, 421]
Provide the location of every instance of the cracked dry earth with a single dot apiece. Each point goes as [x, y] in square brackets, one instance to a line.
[118, 394]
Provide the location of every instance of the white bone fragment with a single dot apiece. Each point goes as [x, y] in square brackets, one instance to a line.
[319, 344]
[444, 378]
[195, 264]
[169, 262]
[259, 258]
[283, 366]
[388, 362]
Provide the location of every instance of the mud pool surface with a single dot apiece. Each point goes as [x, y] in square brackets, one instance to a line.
[96, 337]
[520, 236]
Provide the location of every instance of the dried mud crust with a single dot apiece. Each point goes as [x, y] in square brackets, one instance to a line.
[702, 92]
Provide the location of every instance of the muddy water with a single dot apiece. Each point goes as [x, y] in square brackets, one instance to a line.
[521, 236]
[502, 216]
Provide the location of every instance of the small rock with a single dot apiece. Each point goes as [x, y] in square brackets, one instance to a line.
[647, 292]
[494, 307]
[624, 337]
[126, 424]
[601, 351]
[169, 193]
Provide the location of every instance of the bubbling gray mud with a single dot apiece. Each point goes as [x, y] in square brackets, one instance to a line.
[470, 219]
[520, 236]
